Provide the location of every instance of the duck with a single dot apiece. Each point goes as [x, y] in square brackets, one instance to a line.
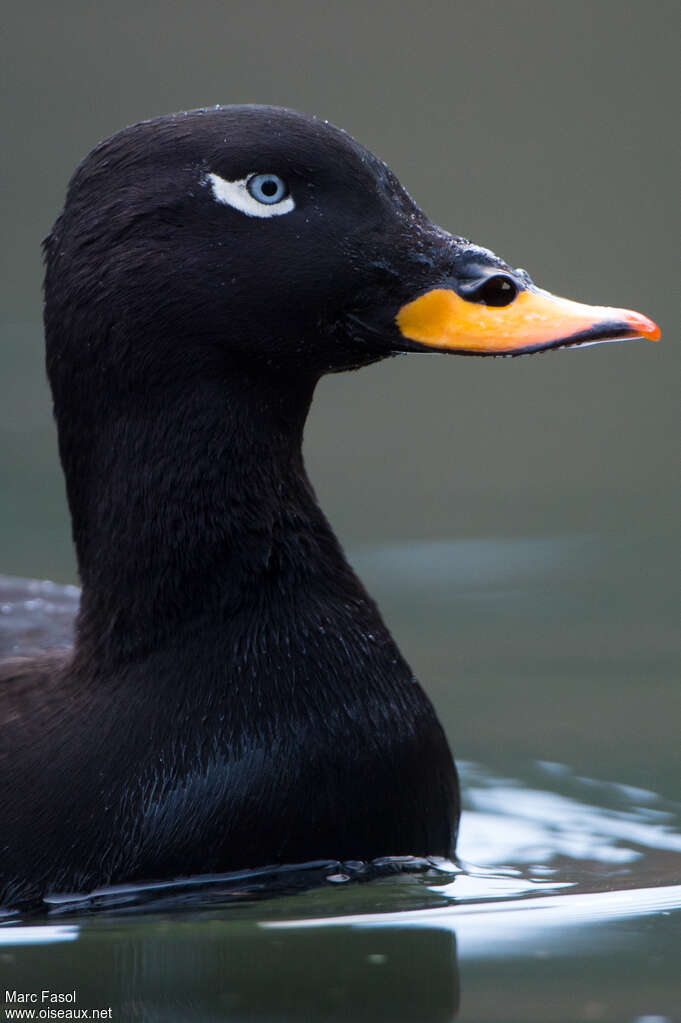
[233, 697]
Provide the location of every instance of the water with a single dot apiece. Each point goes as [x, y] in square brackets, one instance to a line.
[553, 665]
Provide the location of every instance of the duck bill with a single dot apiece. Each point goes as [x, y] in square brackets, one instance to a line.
[534, 321]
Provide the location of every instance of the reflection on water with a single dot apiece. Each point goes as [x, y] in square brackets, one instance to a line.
[540, 900]
[511, 822]
[212, 971]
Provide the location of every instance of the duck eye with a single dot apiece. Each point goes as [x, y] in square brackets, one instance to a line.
[267, 188]
[496, 291]
[256, 195]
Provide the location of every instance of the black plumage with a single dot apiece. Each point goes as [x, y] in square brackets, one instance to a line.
[234, 697]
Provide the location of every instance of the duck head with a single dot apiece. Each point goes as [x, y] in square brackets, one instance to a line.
[259, 236]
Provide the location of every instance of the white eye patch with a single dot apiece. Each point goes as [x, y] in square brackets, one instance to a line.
[237, 195]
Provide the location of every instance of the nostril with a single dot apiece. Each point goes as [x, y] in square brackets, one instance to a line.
[498, 290]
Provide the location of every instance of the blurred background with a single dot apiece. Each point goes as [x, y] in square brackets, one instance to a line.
[543, 130]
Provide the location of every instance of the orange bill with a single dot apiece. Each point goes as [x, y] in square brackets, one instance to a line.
[533, 321]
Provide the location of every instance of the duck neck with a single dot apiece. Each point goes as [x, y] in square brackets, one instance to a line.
[185, 506]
